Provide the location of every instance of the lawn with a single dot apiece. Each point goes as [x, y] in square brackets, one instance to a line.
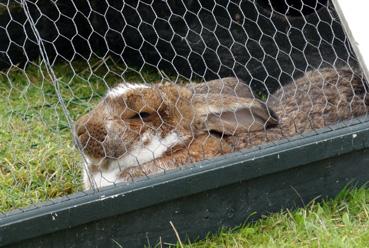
[38, 160]
[342, 222]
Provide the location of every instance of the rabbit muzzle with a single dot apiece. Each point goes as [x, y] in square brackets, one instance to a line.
[113, 142]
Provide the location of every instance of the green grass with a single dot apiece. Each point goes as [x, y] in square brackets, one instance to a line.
[38, 160]
[342, 222]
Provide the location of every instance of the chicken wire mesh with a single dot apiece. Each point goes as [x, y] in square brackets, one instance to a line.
[143, 87]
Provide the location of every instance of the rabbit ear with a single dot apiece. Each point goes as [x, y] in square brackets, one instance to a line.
[225, 86]
[231, 115]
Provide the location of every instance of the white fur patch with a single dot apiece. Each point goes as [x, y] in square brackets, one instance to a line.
[122, 89]
[86, 181]
[139, 155]
[102, 178]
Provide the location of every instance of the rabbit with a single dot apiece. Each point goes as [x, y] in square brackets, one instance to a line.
[140, 129]
[136, 124]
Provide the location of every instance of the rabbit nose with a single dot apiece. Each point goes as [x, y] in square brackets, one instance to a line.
[94, 130]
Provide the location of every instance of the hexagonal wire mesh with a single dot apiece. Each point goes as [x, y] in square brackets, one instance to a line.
[149, 86]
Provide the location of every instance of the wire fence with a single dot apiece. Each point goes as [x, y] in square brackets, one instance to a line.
[95, 93]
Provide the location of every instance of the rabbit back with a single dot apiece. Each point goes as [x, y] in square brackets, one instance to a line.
[318, 99]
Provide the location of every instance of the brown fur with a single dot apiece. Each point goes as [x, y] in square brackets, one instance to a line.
[318, 99]
[203, 147]
[224, 86]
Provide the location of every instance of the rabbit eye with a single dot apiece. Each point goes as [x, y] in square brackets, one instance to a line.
[141, 115]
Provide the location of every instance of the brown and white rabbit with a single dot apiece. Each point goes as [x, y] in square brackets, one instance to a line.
[136, 124]
[140, 129]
